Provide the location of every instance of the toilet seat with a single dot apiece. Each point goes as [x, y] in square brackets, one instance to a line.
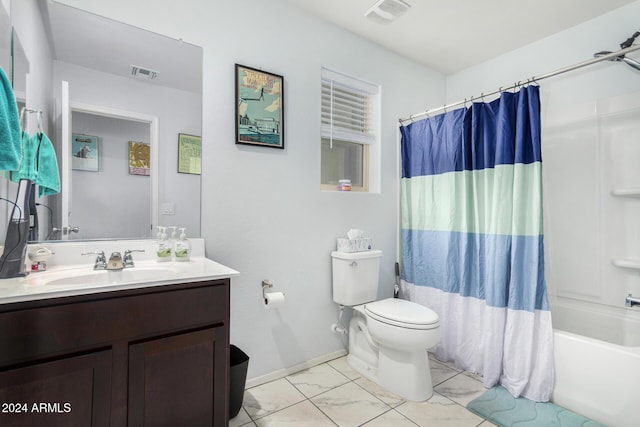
[402, 313]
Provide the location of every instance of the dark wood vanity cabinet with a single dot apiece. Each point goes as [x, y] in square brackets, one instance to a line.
[156, 356]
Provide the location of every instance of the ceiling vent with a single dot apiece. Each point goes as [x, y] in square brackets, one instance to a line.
[143, 73]
[386, 11]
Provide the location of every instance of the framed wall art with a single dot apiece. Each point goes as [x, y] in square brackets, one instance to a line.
[259, 108]
[84, 152]
[189, 153]
[139, 158]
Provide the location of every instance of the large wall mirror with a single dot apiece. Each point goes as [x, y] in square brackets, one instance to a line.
[115, 99]
[5, 38]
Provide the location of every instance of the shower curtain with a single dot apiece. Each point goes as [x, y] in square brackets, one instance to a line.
[472, 244]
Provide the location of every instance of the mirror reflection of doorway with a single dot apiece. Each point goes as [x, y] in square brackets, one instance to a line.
[108, 200]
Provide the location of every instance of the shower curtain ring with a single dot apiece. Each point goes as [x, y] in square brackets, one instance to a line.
[482, 96]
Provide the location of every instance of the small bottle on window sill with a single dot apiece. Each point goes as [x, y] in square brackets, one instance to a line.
[344, 185]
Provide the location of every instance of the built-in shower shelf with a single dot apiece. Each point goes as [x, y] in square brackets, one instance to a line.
[626, 263]
[626, 192]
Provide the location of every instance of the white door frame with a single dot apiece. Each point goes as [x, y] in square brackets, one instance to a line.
[153, 122]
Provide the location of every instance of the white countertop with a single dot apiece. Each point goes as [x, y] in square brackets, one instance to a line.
[70, 279]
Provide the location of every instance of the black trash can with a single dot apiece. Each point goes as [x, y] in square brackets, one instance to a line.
[237, 379]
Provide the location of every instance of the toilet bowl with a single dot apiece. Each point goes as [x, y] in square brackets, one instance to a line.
[402, 324]
[389, 338]
[392, 352]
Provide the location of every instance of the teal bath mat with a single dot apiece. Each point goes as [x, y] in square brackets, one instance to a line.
[498, 406]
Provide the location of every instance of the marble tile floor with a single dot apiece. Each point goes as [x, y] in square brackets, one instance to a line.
[333, 394]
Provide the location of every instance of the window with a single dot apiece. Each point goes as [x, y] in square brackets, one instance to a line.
[350, 132]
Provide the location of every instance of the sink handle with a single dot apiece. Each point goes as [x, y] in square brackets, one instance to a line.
[127, 260]
[101, 260]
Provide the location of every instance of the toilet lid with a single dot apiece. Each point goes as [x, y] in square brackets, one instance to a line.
[401, 312]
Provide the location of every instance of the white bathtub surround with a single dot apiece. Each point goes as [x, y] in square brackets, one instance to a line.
[597, 339]
[596, 378]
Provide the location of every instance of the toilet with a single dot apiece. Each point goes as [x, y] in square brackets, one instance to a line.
[389, 338]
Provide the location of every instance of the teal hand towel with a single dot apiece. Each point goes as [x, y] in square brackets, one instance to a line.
[28, 165]
[39, 164]
[48, 178]
[10, 151]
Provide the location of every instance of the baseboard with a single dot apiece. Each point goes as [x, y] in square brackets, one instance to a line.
[281, 373]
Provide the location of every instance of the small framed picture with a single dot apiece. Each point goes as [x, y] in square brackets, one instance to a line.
[139, 158]
[259, 108]
[84, 152]
[189, 153]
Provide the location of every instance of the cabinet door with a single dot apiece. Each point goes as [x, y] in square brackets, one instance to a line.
[74, 391]
[179, 380]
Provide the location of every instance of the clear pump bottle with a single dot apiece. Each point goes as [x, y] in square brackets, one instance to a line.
[173, 237]
[182, 250]
[163, 246]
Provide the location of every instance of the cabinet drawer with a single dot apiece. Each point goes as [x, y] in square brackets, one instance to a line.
[47, 331]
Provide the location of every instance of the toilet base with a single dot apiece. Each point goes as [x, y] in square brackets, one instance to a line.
[405, 373]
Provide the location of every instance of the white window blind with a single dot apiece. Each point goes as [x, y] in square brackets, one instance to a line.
[347, 109]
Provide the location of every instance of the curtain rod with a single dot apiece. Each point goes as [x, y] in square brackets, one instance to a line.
[521, 83]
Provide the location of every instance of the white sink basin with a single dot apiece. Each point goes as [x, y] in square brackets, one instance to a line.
[71, 274]
[106, 277]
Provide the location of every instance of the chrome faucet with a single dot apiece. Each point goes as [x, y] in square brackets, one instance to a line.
[631, 301]
[115, 262]
[101, 260]
[128, 258]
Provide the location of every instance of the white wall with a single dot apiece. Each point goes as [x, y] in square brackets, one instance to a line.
[568, 47]
[589, 119]
[262, 211]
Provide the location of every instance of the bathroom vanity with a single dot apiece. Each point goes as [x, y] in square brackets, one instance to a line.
[121, 353]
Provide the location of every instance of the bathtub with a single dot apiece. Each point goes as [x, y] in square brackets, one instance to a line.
[597, 361]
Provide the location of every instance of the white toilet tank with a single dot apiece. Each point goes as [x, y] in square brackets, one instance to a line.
[355, 276]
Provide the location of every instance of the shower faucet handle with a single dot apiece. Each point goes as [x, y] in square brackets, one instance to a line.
[631, 301]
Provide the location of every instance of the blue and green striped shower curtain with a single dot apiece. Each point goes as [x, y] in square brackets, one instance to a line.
[472, 242]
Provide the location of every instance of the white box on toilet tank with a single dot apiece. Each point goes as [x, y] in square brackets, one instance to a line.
[355, 276]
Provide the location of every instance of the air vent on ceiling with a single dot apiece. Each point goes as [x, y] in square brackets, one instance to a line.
[143, 73]
[386, 11]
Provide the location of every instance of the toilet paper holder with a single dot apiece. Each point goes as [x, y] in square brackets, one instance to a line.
[265, 285]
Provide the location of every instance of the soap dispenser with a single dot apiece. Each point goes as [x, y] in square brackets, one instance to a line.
[163, 246]
[182, 250]
[173, 238]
